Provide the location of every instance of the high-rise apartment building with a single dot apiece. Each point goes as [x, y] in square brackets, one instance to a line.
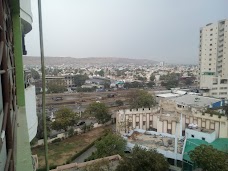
[213, 59]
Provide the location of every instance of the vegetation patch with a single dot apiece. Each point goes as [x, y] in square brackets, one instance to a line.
[60, 153]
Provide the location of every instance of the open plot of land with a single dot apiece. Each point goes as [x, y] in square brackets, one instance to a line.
[60, 152]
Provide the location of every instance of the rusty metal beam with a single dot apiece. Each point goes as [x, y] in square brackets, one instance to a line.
[10, 151]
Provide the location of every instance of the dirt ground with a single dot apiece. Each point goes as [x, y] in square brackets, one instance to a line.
[60, 152]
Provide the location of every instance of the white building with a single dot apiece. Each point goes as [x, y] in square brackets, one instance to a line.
[213, 59]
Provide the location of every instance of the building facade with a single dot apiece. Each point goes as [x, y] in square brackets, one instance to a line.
[16, 133]
[174, 118]
[213, 59]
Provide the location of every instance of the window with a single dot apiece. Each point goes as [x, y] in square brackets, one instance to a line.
[137, 123]
[209, 69]
[211, 39]
[179, 106]
[211, 34]
[222, 93]
[210, 49]
[151, 123]
[209, 59]
[203, 138]
[192, 136]
[211, 29]
[210, 44]
[210, 64]
[144, 123]
[210, 54]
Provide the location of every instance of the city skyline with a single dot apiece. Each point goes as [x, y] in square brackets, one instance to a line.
[161, 31]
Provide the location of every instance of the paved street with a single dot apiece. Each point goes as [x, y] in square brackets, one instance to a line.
[85, 155]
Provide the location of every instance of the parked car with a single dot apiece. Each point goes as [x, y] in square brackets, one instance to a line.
[80, 123]
[57, 98]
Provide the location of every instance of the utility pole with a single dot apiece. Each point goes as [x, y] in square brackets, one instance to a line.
[43, 84]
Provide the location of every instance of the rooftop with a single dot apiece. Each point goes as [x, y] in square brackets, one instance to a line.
[220, 144]
[167, 95]
[208, 131]
[155, 141]
[195, 100]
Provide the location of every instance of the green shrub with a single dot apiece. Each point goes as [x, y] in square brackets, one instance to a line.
[56, 140]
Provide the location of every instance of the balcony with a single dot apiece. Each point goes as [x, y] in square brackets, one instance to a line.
[219, 62]
[221, 33]
[26, 15]
[221, 39]
[220, 51]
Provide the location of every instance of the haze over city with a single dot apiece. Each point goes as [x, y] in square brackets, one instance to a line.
[158, 30]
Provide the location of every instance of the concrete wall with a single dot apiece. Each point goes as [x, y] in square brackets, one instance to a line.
[30, 104]
[142, 118]
[209, 137]
[167, 154]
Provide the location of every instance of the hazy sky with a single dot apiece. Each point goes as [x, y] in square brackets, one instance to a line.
[163, 30]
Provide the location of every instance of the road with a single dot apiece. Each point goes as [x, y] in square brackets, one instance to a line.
[85, 155]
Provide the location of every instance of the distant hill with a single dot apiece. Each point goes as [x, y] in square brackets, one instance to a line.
[51, 61]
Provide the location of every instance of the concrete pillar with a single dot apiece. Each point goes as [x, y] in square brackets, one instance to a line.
[133, 121]
[183, 122]
[187, 120]
[199, 122]
[173, 128]
[155, 119]
[181, 125]
[169, 128]
[147, 121]
[141, 121]
[195, 121]
[217, 129]
[165, 126]
[207, 124]
[191, 119]
[159, 126]
[18, 60]
[126, 122]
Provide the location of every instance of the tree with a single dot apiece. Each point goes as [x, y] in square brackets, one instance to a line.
[141, 78]
[40, 129]
[71, 132]
[56, 86]
[188, 81]
[152, 77]
[99, 111]
[35, 74]
[79, 80]
[110, 145]
[101, 73]
[140, 99]
[209, 158]
[170, 80]
[64, 118]
[107, 84]
[225, 109]
[134, 84]
[150, 84]
[143, 160]
[119, 103]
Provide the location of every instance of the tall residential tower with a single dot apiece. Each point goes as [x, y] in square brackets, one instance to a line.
[213, 59]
